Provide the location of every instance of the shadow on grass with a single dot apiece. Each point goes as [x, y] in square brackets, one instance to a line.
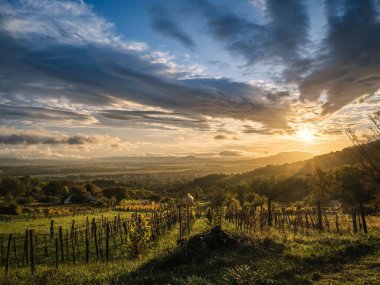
[205, 259]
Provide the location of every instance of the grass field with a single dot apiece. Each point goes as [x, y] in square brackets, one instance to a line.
[18, 227]
[278, 258]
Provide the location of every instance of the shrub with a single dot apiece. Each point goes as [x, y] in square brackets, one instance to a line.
[11, 209]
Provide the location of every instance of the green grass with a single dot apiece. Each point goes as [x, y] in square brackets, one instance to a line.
[275, 259]
[42, 225]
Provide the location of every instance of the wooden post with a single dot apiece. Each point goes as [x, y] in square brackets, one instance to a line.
[51, 230]
[32, 252]
[362, 214]
[61, 244]
[7, 257]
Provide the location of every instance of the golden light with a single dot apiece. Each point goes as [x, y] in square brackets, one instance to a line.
[306, 135]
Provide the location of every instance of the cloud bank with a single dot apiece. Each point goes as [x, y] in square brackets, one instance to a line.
[63, 65]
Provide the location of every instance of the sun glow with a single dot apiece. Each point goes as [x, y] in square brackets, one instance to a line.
[306, 135]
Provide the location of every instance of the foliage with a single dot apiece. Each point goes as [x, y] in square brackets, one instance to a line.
[321, 185]
[138, 235]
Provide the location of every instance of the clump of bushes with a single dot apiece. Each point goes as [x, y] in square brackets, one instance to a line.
[11, 209]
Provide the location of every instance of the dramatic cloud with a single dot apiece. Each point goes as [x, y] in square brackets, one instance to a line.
[66, 69]
[281, 38]
[348, 66]
[40, 114]
[31, 139]
[153, 119]
[105, 74]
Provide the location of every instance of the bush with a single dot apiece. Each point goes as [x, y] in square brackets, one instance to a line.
[11, 209]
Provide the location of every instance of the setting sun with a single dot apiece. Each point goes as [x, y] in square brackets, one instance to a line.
[306, 135]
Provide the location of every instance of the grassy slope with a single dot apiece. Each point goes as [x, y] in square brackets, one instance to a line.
[320, 259]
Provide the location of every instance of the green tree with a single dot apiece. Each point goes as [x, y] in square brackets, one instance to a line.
[11, 186]
[354, 190]
[120, 193]
[55, 188]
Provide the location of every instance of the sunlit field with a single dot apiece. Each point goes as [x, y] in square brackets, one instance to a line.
[302, 254]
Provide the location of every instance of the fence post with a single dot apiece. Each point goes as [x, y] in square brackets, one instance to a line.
[51, 230]
[61, 244]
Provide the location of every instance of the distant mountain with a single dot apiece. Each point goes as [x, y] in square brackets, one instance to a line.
[280, 158]
[283, 157]
[324, 162]
[108, 165]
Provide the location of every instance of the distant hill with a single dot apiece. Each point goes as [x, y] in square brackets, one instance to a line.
[324, 162]
[110, 165]
[293, 169]
[283, 157]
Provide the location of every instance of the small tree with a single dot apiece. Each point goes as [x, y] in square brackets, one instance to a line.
[321, 184]
[367, 149]
[354, 189]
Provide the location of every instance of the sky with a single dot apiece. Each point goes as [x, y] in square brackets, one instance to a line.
[86, 79]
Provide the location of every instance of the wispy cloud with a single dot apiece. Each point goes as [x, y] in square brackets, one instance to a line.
[102, 74]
